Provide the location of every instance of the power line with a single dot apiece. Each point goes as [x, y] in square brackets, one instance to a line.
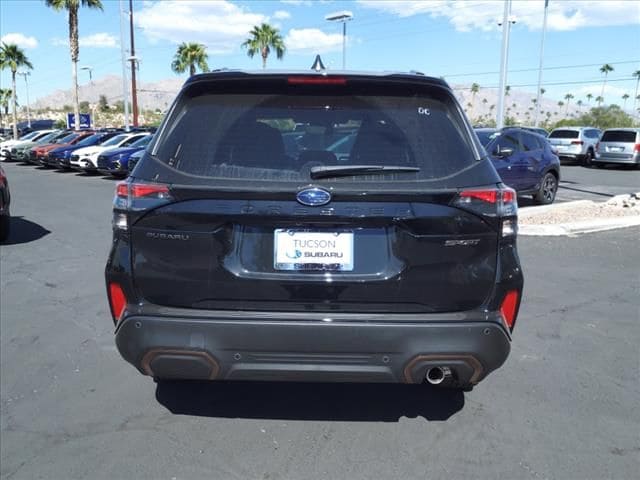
[559, 67]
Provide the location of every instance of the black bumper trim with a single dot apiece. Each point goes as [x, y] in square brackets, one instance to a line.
[310, 350]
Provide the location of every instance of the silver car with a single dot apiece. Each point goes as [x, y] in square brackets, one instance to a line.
[577, 144]
[619, 145]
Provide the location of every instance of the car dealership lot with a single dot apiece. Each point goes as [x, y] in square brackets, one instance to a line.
[563, 406]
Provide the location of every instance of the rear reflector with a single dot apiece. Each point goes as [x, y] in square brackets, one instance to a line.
[117, 300]
[317, 80]
[508, 308]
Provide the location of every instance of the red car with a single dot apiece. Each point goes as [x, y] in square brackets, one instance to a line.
[38, 155]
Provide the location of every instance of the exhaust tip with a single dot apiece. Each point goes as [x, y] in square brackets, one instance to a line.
[437, 375]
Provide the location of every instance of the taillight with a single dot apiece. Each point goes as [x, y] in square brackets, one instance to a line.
[577, 142]
[135, 196]
[492, 202]
[636, 148]
[117, 301]
[508, 308]
[319, 80]
[598, 147]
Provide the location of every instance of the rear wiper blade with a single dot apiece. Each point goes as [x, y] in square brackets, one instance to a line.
[325, 171]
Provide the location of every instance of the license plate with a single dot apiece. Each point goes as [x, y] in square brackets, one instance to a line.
[305, 250]
[616, 149]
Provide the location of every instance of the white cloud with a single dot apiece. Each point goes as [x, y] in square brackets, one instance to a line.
[281, 15]
[221, 25]
[483, 15]
[97, 40]
[20, 40]
[312, 40]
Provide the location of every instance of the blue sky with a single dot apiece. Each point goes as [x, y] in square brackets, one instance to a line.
[459, 40]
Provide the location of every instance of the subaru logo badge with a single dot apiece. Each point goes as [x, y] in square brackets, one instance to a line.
[313, 197]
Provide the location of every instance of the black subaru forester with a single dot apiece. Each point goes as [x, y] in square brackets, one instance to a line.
[314, 226]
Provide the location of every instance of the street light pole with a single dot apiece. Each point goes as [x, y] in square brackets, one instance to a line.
[123, 53]
[538, 94]
[132, 58]
[26, 82]
[90, 70]
[343, 17]
[504, 60]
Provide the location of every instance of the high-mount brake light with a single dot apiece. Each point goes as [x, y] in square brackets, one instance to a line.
[317, 80]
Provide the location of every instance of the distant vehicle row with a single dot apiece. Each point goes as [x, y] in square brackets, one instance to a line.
[106, 151]
[590, 146]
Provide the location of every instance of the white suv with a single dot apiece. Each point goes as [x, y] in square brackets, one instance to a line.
[87, 158]
[576, 143]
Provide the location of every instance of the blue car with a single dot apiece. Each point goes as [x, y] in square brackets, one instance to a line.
[525, 162]
[115, 161]
[61, 157]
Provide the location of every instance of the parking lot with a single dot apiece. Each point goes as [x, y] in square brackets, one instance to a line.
[565, 405]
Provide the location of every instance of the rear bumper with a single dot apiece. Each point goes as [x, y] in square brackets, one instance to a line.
[632, 160]
[276, 347]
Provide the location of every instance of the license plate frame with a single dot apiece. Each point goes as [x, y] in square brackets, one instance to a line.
[315, 251]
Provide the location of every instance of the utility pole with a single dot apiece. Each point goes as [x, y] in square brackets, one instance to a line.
[133, 59]
[26, 82]
[123, 53]
[504, 60]
[538, 94]
[343, 17]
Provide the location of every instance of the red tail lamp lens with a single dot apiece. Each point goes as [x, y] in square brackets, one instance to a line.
[489, 196]
[139, 190]
[508, 308]
[118, 300]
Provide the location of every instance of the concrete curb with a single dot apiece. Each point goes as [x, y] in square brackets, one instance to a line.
[578, 228]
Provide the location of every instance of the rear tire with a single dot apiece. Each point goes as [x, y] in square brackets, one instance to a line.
[588, 159]
[548, 189]
[5, 227]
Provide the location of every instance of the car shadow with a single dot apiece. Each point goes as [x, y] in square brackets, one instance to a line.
[309, 401]
[24, 231]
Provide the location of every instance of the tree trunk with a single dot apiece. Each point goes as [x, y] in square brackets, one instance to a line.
[604, 84]
[264, 58]
[75, 52]
[192, 69]
[15, 105]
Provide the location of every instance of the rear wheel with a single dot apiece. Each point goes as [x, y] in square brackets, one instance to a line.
[588, 159]
[5, 223]
[548, 189]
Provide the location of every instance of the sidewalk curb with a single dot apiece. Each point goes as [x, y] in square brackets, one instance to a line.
[578, 228]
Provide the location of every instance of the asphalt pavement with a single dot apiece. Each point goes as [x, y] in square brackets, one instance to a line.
[565, 404]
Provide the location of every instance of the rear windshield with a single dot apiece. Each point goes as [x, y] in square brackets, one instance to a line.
[281, 137]
[565, 134]
[619, 136]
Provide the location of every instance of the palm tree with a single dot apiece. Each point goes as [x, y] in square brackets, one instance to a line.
[13, 57]
[637, 75]
[189, 56]
[72, 7]
[568, 98]
[599, 99]
[5, 95]
[625, 97]
[475, 88]
[262, 39]
[589, 97]
[579, 103]
[507, 91]
[606, 68]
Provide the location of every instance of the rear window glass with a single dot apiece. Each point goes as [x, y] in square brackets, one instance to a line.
[281, 137]
[564, 134]
[619, 136]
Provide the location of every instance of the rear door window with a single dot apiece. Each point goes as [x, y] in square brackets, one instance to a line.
[277, 137]
[565, 134]
[622, 136]
[530, 142]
